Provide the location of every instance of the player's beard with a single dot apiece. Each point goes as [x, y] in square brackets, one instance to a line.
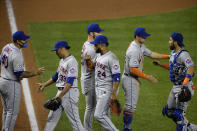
[98, 50]
[94, 36]
[172, 47]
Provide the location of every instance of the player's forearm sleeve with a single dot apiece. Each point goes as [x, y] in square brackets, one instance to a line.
[70, 80]
[187, 79]
[137, 72]
[165, 66]
[55, 77]
[116, 77]
[164, 56]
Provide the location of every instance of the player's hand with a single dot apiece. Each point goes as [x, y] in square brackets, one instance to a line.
[113, 96]
[87, 57]
[41, 87]
[40, 71]
[156, 62]
[151, 79]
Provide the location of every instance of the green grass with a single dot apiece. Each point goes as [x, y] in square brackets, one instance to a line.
[120, 33]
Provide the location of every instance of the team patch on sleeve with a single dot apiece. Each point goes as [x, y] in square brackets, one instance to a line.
[72, 70]
[115, 67]
[188, 61]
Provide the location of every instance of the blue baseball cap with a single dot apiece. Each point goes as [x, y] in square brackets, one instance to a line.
[178, 37]
[100, 39]
[20, 35]
[60, 44]
[94, 28]
[140, 31]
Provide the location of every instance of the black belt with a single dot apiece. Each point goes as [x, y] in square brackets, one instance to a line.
[134, 76]
[61, 88]
[8, 79]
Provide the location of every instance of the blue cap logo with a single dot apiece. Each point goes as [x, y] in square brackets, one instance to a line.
[94, 28]
[20, 35]
[60, 44]
[178, 38]
[141, 32]
[100, 39]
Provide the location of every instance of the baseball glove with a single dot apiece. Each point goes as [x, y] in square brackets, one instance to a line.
[185, 94]
[53, 104]
[115, 107]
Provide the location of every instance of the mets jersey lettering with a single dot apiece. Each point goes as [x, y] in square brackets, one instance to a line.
[106, 66]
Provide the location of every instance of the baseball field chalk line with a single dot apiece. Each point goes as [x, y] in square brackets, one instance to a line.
[25, 83]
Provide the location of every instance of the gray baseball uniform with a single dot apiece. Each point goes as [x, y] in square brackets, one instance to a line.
[10, 90]
[106, 66]
[184, 62]
[179, 64]
[88, 85]
[130, 83]
[68, 67]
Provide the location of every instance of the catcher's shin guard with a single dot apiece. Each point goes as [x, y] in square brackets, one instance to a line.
[180, 120]
[127, 119]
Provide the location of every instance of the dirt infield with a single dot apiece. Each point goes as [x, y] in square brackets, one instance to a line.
[66, 10]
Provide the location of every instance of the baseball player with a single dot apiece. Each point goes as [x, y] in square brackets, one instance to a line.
[66, 83]
[107, 78]
[133, 70]
[88, 76]
[12, 71]
[181, 69]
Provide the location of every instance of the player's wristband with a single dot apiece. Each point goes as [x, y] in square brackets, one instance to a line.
[164, 56]
[187, 79]
[189, 76]
[137, 72]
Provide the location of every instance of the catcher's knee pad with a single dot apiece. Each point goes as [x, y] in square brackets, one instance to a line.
[175, 114]
[178, 114]
[128, 115]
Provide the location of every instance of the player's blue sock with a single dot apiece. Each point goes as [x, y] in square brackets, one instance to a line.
[127, 119]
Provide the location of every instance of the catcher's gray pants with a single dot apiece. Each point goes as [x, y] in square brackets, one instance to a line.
[90, 109]
[102, 108]
[180, 105]
[172, 97]
[10, 92]
[70, 106]
[131, 88]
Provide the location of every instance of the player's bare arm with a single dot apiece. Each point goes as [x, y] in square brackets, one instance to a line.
[27, 74]
[158, 63]
[65, 90]
[139, 73]
[45, 84]
[156, 55]
[114, 92]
